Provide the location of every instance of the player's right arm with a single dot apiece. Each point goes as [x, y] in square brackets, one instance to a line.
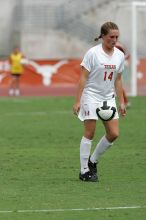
[81, 85]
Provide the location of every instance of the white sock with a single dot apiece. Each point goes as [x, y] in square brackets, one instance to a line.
[85, 147]
[17, 92]
[11, 92]
[101, 147]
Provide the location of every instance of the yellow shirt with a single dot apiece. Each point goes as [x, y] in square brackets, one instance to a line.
[16, 66]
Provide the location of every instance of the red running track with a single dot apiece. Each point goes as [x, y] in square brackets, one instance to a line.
[53, 90]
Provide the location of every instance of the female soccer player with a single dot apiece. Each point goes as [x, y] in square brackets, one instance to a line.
[16, 71]
[101, 71]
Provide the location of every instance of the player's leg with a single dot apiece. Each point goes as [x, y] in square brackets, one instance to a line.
[112, 132]
[85, 148]
[12, 86]
[17, 79]
[112, 129]
[86, 143]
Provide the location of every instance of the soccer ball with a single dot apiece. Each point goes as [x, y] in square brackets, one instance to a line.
[106, 112]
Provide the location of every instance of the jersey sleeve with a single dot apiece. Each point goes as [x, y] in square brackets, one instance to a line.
[87, 61]
[121, 67]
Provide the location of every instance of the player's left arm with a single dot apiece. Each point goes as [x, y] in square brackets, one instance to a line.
[119, 92]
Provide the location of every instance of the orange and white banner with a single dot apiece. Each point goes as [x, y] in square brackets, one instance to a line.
[44, 72]
[48, 73]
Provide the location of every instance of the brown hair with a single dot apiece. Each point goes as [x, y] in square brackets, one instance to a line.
[105, 28]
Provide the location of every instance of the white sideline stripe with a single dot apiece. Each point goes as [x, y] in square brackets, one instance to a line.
[68, 210]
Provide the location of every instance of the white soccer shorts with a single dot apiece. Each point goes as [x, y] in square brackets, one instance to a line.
[88, 110]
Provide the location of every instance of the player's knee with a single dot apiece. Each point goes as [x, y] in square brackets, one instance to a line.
[113, 136]
[89, 134]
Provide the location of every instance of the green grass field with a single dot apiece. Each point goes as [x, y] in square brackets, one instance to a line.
[39, 164]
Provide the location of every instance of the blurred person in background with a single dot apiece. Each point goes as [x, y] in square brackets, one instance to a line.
[127, 57]
[16, 71]
[101, 77]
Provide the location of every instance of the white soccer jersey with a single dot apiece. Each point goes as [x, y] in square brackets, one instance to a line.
[103, 70]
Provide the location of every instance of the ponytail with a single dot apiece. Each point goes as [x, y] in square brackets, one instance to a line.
[97, 38]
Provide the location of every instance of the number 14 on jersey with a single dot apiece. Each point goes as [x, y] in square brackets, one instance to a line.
[108, 76]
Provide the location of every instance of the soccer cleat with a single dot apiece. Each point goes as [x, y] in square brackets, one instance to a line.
[88, 177]
[92, 167]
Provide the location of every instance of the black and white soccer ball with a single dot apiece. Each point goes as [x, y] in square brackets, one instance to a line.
[106, 112]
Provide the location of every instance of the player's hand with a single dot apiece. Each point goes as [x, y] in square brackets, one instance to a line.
[76, 108]
[122, 110]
